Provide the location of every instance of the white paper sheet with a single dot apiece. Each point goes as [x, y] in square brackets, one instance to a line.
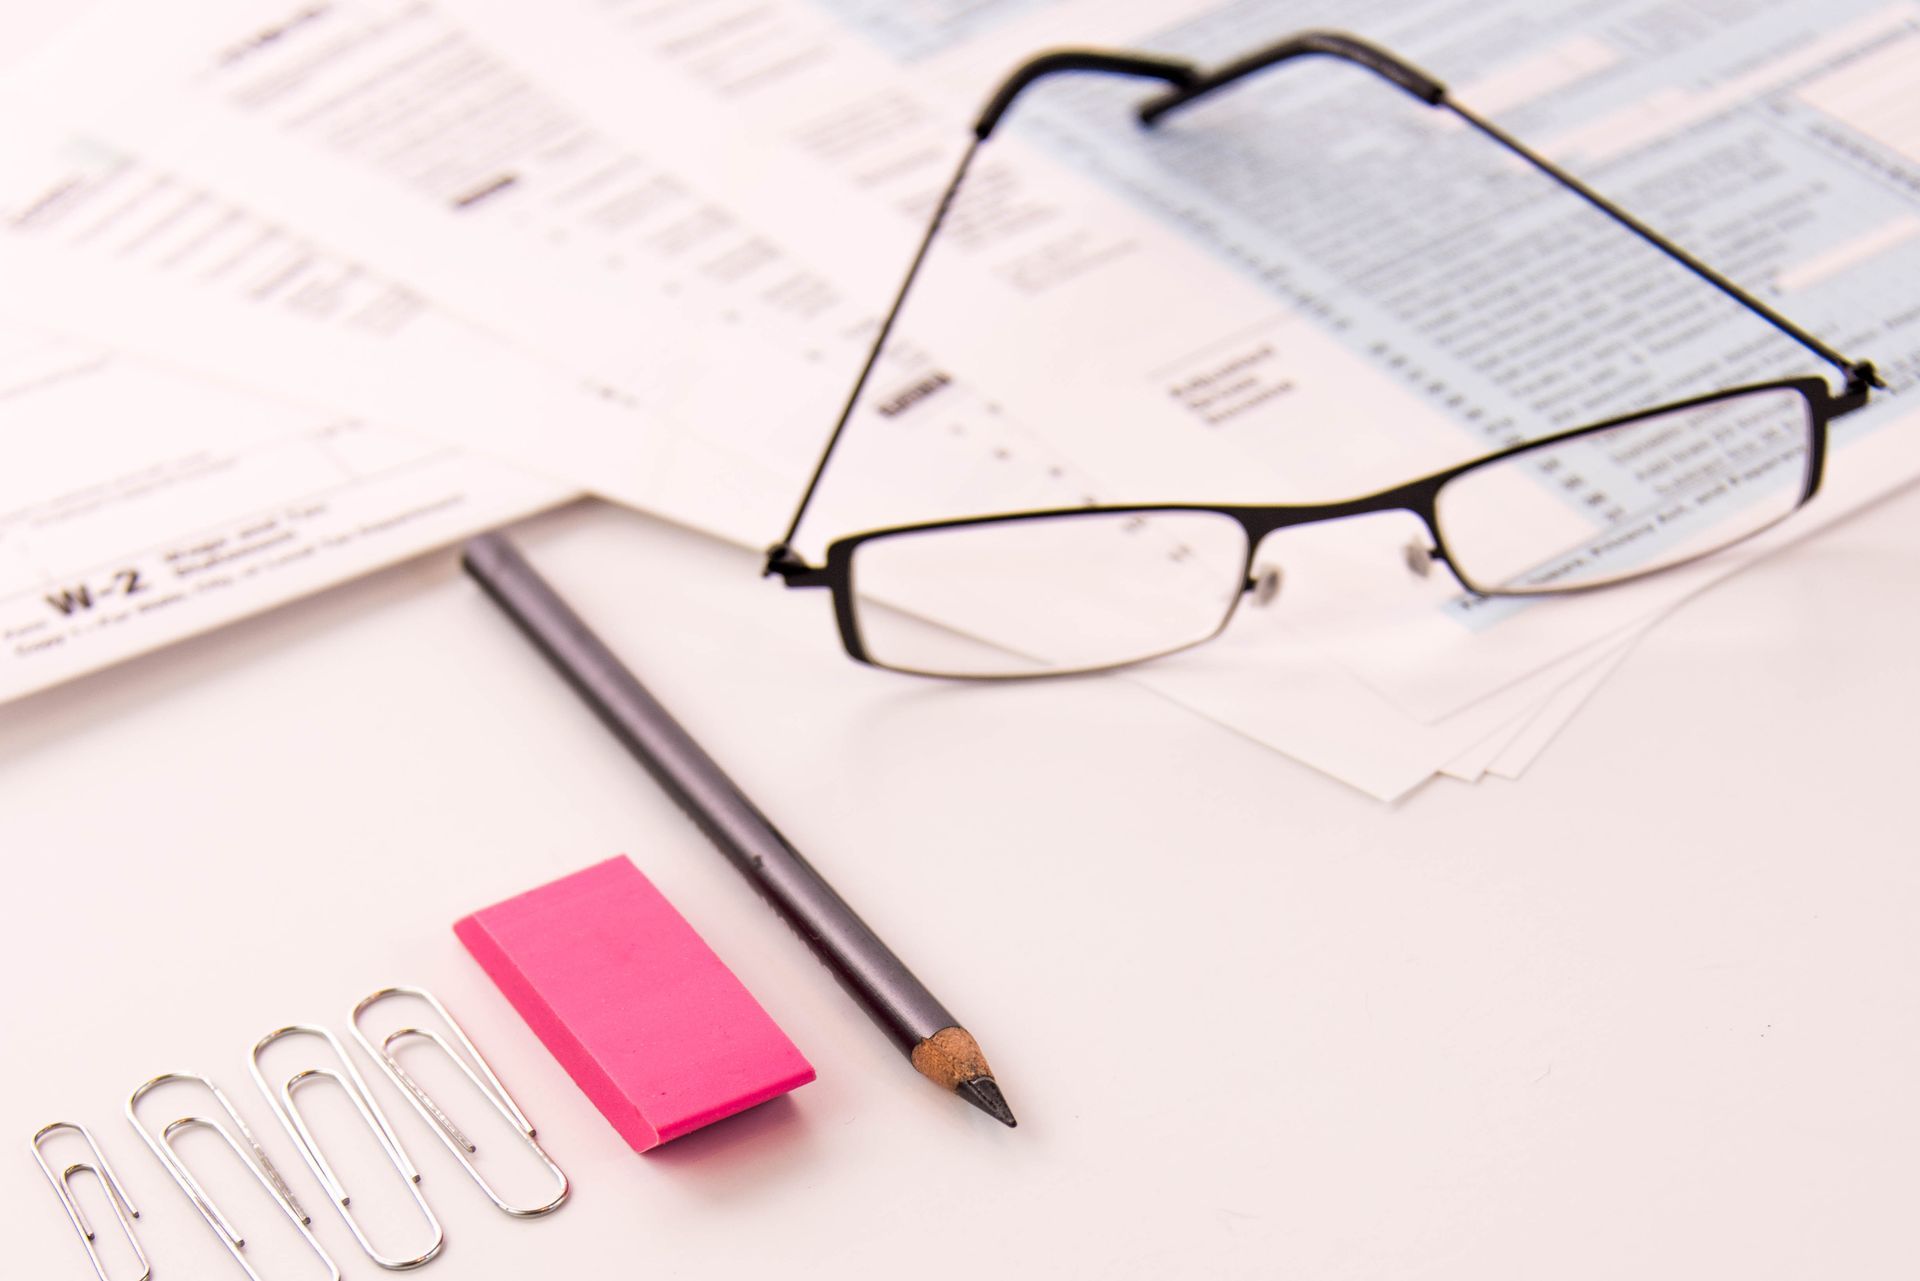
[282, 99]
[1333, 723]
[268, 339]
[141, 505]
[1431, 296]
[1545, 724]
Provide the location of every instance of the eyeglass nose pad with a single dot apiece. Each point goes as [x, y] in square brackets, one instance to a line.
[1419, 557]
[1265, 584]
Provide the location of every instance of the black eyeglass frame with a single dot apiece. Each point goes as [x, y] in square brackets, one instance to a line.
[1418, 497]
[1187, 83]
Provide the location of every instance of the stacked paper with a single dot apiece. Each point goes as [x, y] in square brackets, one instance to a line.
[639, 250]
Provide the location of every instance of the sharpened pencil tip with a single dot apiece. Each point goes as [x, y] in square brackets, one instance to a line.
[951, 1059]
[984, 1093]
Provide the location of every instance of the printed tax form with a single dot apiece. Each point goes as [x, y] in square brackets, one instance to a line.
[770, 224]
[142, 504]
[1387, 292]
[149, 500]
[981, 456]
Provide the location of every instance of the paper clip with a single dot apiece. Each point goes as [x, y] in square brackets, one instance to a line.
[470, 1061]
[355, 1088]
[116, 1196]
[252, 1156]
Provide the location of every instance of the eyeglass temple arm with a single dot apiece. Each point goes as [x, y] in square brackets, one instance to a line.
[1189, 84]
[781, 558]
[1860, 374]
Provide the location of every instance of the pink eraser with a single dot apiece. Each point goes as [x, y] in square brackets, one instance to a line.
[639, 1011]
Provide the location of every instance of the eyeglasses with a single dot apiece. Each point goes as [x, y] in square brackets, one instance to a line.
[1088, 588]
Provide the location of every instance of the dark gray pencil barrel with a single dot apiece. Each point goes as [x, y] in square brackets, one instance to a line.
[884, 986]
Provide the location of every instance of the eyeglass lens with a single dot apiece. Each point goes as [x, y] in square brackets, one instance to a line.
[1633, 499]
[1049, 594]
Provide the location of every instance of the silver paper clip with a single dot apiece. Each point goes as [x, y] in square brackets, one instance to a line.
[470, 1061]
[252, 1156]
[116, 1196]
[355, 1088]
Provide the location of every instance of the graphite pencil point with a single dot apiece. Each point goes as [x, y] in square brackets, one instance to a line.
[952, 1060]
[984, 1093]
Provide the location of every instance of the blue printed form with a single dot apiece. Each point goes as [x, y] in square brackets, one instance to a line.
[1303, 288]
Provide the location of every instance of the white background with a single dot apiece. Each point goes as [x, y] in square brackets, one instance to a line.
[1650, 1012]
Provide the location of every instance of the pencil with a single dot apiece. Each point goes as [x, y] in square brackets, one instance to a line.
[933, 1040]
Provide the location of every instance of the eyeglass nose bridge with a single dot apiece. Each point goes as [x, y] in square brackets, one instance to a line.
[1421, 550]
[1265, 576]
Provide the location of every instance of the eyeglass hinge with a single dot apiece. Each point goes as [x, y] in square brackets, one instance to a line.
[791, 568]
[1861, 373]
[1862, 377]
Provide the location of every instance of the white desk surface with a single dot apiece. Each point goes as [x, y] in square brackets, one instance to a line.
[1653, 1011]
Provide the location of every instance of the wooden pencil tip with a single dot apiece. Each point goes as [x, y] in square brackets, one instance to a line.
[951, 1059]
[984, 1093]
